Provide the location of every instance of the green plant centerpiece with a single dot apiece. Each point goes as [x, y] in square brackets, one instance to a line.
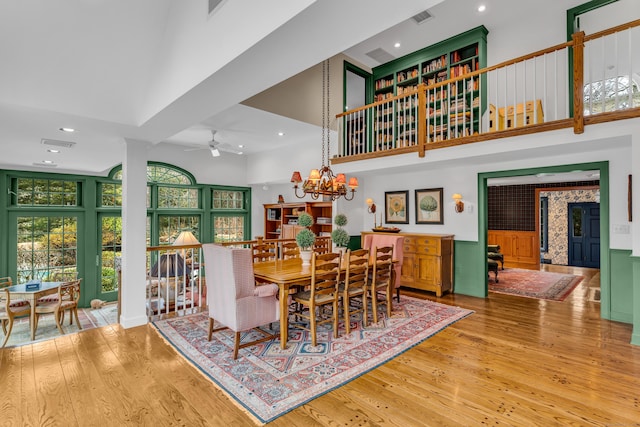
[340, 236]
[305, 237]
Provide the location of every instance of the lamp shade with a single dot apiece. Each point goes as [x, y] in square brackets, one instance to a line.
[341, 178]
[353, 182]
[457, 197]
[170, 265]
[314, 175]
[185, 238]
[296, 177]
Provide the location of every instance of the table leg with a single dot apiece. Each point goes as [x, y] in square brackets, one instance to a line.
[284, 315]
[32, 319]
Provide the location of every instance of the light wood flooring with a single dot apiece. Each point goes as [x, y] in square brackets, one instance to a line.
[515, 361]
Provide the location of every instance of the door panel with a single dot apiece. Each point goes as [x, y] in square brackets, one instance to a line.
[584, 234]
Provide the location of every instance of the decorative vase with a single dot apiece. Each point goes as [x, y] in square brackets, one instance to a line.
[305, 256]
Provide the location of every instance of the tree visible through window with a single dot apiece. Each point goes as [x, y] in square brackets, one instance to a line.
[611, 95]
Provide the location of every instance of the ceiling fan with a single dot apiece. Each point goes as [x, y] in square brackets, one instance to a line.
[216, 147]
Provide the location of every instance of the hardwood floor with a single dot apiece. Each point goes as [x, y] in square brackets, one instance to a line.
[515, 361]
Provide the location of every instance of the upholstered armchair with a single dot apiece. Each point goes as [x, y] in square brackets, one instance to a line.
[232, 295]
[381, 240]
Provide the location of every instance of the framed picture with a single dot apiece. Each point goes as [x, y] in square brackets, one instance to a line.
[396, 207]
[429, 206]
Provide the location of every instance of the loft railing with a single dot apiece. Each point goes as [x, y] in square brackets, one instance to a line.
[590, 79]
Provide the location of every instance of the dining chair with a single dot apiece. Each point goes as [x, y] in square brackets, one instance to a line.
[355, 286]
[381, 279]
[70, 294]
[234, 299]
[5, 282]
[8, 313]
[264, 251]
[323, 291]
[65, 300]
[290, 250]
[58, 276]
[322, 246]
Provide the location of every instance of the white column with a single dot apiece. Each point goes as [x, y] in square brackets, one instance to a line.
[134, 217]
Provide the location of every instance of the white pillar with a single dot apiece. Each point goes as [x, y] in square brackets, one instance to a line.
[134, 245]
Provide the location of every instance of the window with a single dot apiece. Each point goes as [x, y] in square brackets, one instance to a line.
[177, 197]
[544, 224]
[228, 199]
[610, 95]
[111, 195]
[46, 247]
[229, 214]
[111, 247]
[228, 228]
[46, 192]
[170, 226]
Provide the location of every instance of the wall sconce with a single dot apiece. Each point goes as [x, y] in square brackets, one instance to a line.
[371, 206]
[459, 203]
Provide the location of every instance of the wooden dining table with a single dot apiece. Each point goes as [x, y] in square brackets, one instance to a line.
[286, 274]
[20, 292]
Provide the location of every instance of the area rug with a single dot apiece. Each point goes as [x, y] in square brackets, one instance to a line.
[89, 318]
[534, 284]
[268, 382]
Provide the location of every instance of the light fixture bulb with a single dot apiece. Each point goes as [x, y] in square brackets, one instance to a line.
[215, 152]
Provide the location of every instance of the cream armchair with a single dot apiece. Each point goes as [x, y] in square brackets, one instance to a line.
[233, 297]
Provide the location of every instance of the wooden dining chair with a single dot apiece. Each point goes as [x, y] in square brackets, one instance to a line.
[264, 251]
[355, 286]
[5, 282]
[322, 246]
[8, 313]
[68, 295]
[381, 279]
[323, 291]
[290, 250]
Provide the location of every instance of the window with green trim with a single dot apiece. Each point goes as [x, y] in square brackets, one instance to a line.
[226, 199]
[170, 226]
[111, 194]
[46, 192]
[178, 197]
[228, 228]
[161, 173]
[47, 247]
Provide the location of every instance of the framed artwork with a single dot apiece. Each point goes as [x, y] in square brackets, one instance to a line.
[429, 206]
[396, 207]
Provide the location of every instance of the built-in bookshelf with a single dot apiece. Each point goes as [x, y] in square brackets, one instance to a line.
[281, 219]
[453, 110]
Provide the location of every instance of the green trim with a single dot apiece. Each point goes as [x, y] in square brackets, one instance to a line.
[620, 298]
[468, 277]
[368, 82]
[603, 167]
[184, 172]
[635, 335]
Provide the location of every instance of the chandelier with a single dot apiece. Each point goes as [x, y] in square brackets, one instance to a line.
[322, 181]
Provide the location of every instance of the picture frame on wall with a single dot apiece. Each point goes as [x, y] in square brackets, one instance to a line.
[429, 206]
[396, 207]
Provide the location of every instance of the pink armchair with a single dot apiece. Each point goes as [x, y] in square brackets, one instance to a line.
[381, 240]
[234, 299]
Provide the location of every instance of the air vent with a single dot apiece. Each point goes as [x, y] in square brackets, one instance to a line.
[214, 4]
[422, 16]
[380, 55]
[58, 143]
[45, 165]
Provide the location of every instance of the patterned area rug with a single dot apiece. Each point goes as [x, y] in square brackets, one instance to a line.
[534, 284]
[268, 382]
[89, 318]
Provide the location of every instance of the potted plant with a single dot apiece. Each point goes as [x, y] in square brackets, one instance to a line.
[305, 238]
[339, 236]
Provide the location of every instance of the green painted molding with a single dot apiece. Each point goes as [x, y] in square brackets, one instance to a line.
[470, 273]
[620, 295]
[635, 334]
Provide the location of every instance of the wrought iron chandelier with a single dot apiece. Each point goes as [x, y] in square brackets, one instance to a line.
[322, 181]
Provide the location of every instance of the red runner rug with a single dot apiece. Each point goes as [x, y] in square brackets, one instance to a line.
[534, 284]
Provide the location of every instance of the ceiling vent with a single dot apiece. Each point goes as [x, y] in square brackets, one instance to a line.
[58, 143]
[214, 4]
[45, 165]
[380, 55]
[425, 15]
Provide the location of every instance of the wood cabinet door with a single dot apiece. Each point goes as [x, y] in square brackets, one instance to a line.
[290, 231]
[407, 275]
[428, 270]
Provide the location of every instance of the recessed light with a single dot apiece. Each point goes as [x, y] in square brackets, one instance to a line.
[482, 8]
[240, 146]
[397, 45]
[280, 133]
[69, 130]
[51, 150]
[47, 162]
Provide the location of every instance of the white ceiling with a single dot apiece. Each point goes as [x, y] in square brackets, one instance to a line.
[162, 70]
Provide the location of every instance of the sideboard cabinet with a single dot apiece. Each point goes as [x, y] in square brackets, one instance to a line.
[427, 262]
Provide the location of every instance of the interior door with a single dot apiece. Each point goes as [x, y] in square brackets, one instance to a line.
[584, 234]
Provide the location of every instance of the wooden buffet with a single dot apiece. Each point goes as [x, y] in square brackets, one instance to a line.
[427, 261]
